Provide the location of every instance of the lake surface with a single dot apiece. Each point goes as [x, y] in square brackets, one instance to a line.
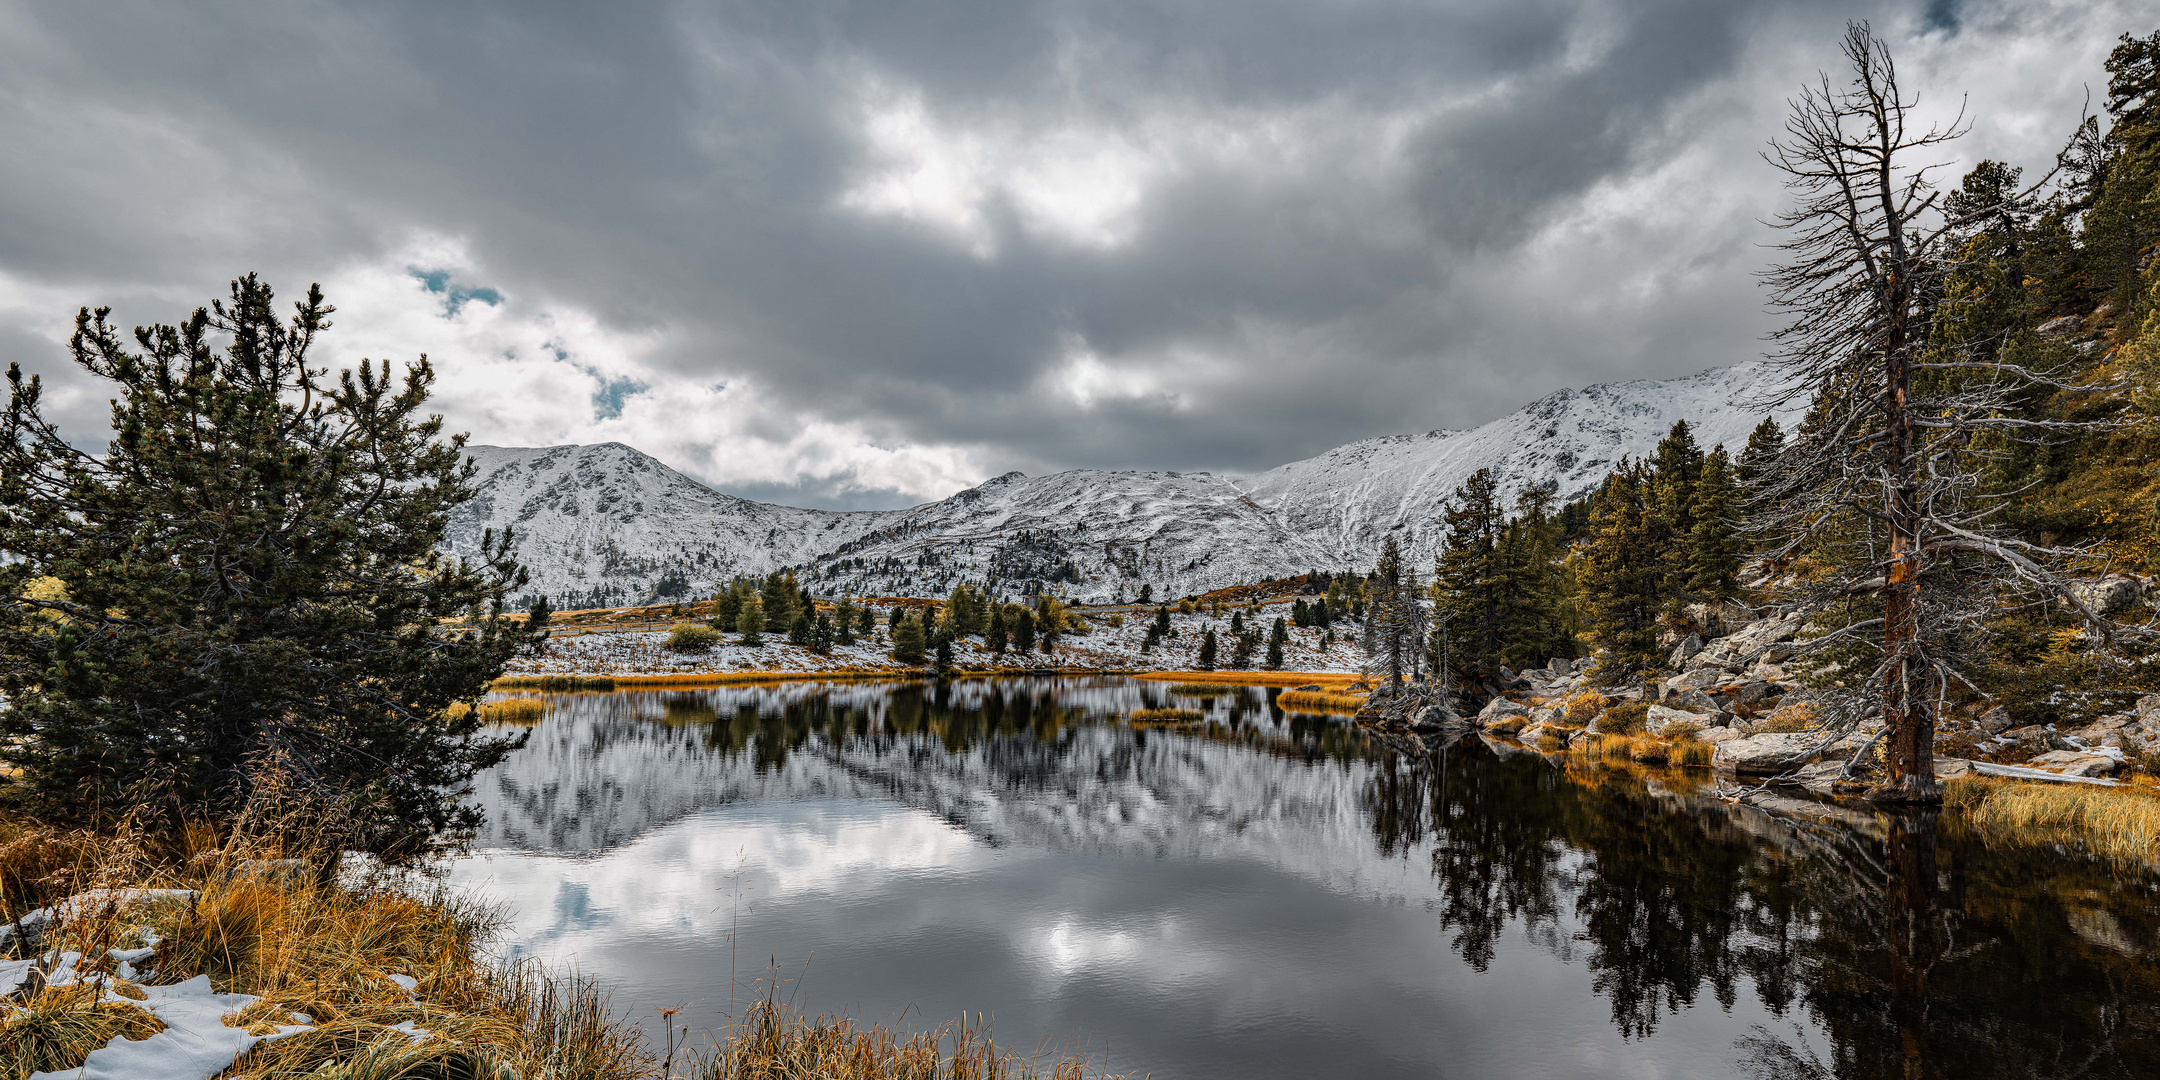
[1271, 896]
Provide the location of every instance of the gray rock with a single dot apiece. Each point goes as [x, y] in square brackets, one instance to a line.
[1686, 649]
[2147, 710]
[1759, 693]
[1560, 666]
[1433, 718]
[1661, 718]
[2108, 594]
[1693, 701]
[1717, 735]
[2060, 327]
[1995, 721]
[1765, 754]
[2074, 763]
[1698, 679]
[1501, 708]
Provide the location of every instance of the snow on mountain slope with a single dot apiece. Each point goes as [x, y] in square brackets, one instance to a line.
[608, 525]
[605, 524]
[1350, 497]
[1100, 534]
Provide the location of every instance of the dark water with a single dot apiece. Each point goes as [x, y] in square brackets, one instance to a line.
[1270, 896]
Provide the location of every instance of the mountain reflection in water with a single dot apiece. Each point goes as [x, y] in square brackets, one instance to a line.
[1271, 895]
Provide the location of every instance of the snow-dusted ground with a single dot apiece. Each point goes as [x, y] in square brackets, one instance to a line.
[1107, 648]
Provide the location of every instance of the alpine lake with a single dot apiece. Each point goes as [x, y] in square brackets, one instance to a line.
[1270, 894]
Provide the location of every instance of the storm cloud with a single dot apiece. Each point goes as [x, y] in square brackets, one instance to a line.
[865, 254]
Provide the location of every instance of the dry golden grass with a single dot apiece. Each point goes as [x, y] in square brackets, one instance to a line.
[776, 1043]
[1646, 749]
[55, 1028]
[2120, 823]
[1625, 718]
[558, 683]
[1584, 707]
[505, 711]
[1327, 680]
[1203, 689]
[263, 921]
[1320, 701]
[1167, 716]
[1791, 718]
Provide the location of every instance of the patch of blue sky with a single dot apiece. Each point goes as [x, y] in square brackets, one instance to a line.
[455, 296]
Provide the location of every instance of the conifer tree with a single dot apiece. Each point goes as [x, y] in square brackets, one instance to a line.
[994, 633]
[944, 655]
[1675, 467]
[844, 623]
[781, 601]
[1023, 634]
[802, 631]
[750, 621]
[1473, 578]
[1535, 627]
[1237, 622]
[1623, 573]
[1276, 638]
[1758, 457]
[247, 581]
[1206, 660]
[1714, 548]
[1241, 650]
[908, 640]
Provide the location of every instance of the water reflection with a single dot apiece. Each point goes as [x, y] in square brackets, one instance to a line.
[1269, 894]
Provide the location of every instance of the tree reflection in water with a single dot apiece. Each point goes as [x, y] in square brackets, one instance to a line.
[1886, 945]
[1919, 952]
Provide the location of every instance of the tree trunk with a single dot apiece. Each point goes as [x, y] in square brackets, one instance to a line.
[1908, 716]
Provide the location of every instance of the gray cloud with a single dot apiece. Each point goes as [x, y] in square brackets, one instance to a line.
[1033, 235]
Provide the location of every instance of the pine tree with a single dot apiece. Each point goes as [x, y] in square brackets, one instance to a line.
[802, 631]
[727, 604]
[781, 601]
[944, 655]
[1276, 639]
[1536, 626]
[1714, 549]
[844, 623]
[1023, 634]
[1623, 573]
[1237, 622]
[994, 634]
[750, 621]
[1677, 463]
[1472, 576]
[1206, 661]
[246, 581]
[1241, 650]
[908, 640]
[822, 636]
[1759, 457]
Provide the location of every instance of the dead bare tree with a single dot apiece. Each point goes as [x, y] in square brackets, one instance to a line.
[1881, 488]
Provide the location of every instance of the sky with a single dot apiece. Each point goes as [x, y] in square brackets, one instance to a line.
[859, 255]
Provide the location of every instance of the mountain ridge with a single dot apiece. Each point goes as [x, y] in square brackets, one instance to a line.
[605, 524]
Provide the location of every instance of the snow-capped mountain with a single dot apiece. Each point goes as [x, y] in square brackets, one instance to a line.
[608, 525]
[1351, 496]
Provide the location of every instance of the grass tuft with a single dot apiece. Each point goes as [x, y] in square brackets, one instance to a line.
[1319, 701]
[1167, 716]
[2116, 823]
[57, 1028]
[778, 1043]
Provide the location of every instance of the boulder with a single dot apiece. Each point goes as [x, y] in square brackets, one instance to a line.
[2108, 594]
[2074, 763]
[1433, 718]
[1693, 701]
[1995, 721]
[1717, 735]
[1766, 754]
[2060, 327]
[1501, 708]
[1760, 694]
[1560, 666]
[1686, 649]
[1697, 679]
[1661, 718]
